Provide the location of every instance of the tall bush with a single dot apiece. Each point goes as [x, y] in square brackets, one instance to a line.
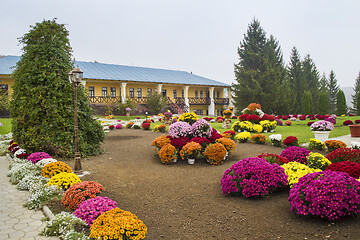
[324, 103]
[42, 105]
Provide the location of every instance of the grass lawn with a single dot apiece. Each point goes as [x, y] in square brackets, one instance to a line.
[6, 128]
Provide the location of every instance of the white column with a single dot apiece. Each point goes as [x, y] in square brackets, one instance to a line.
[159, 88]
[83, 82]
[211, 107]
[186, 96]
[123, 92]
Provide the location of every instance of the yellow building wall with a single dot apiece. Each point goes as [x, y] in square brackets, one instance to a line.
[5, 79]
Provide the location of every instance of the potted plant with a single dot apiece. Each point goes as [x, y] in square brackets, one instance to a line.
[128, 110]
[322, 129]
[191, 151]
[354, 130]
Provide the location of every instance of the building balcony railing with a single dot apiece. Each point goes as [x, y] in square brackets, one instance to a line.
[221, 101]
[102, 99]
[199, 101]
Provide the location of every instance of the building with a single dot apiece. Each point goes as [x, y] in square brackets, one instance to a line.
[186, 92]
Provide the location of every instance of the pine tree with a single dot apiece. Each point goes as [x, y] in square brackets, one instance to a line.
[260, 72]
[354, 97]
[42, 104]
[297, 79]
[333, 91]
[323, 105]
[341, 107]
[358, 105]
[324, 84]
[307, 103]
[312, 77]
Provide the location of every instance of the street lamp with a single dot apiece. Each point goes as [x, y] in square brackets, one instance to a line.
[75, 77]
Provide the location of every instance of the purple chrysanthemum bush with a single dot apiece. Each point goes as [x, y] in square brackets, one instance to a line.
[329, 194]
[253, 177]
[296, 154]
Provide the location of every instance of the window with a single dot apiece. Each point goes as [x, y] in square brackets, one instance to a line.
[164, 92]
[156, 91]
[217, 112]
[201, 94]
[104, 91]
[213, 94]
[199, 111]
[131, 92]
[196, 94]
[182, 93]
[207, 94]
[139, 92]
[149, 92]
[175, 94]
[218, 94]
[113, 92]
[91, 91]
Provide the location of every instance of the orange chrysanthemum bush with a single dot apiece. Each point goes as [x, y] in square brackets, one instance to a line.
[332, 145]
[228, 144]
[167, 154]
[118, 224]
[64, 180]
[54, 168]
[258, 138]
[161, 141]
[215, 153]
[80, 192]
[191, 150]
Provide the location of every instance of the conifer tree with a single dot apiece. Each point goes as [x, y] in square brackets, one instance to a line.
[323, 103]
[312, 76]
[42, 107]
[341, 107]
[354, 96]
[297, 79]
[307, 103]
[324, 84]
[333, 91]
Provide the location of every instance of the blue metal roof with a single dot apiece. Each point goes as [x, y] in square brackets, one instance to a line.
[125, 73]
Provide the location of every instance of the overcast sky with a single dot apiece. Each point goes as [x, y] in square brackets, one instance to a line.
[199, 36]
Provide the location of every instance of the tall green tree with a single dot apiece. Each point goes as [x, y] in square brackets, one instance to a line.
[324, 84]
[312, 78]
[42, 107]
[297, 79]
[354, 96]
[259, 72]
[307, 103]
[341, 107]
[323, 105]
[333, 91]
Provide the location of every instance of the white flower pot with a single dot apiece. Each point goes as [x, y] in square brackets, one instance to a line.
[191, 161]
[265, 131]
[174, 160]
[321, 135]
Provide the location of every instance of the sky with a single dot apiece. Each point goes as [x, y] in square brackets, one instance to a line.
[198, 36]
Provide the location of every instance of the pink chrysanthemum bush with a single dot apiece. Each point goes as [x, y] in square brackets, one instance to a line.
[253, 177]
[296, 154]
[330, 195]
[37, 156]
[90, 209]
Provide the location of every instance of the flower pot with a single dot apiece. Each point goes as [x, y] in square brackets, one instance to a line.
[191, 161]
[354, 130]
[174, 160]
[128, 114]
[321, 135]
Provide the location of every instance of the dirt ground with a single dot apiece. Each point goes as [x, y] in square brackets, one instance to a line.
[183, 201]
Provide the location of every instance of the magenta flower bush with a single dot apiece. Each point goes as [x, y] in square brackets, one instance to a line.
[328, 194]
[119, 126]
[37, 156]
[201, 128]
[331, 119]
[179, 129]
[295, 154]
[253, 177]
[90, 209]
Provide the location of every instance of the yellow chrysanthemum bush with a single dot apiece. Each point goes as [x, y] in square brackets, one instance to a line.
[242, 137]
[188, 117]
[315, 144]
[317, 161]
[191, 150]
[228, 144]
[215, 153]
[167, 154]
[54, 168]
[257, 128]
[118, 224]
[295, 170]
[64, 180]
[159, 142]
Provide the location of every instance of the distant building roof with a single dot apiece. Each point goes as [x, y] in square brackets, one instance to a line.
[125, 73]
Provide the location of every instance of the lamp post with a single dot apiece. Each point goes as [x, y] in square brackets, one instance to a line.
[75, 77]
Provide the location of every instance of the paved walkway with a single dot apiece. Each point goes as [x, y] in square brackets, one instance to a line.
[16, 221]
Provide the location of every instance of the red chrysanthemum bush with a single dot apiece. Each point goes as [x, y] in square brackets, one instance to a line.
[80, 192]
[347, 122]
[344, 154]
[146, 126]
[290, 141]
[352, 168]
[274, 158]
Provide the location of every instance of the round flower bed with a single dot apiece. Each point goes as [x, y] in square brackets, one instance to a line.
[295, 154]
[344, 154]
[80, 192]
[37, 156]
[351, 168]
[90, 209]
[253, 177]
[54, 168]
[330, 195]
[118, 224]
[215, 153]
[64, 180]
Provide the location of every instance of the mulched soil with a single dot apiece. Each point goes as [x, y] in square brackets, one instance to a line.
[184, 201]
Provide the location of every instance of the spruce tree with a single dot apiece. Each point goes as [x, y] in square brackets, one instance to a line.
[358, 105]
[312, 77]
[324, 84]
[307, 103]
[341, 107]
[42, 106]
[333, 91]
[354, 97]
[323, 105]
[297, 79]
